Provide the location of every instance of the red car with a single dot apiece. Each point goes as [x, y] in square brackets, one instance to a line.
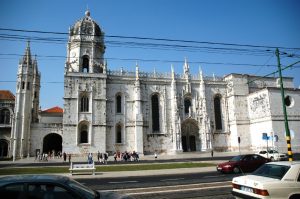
[242, 163]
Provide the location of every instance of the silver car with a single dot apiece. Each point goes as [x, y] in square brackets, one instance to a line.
[48, 187]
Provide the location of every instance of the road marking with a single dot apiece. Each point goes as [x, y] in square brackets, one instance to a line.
[213, 176]
[177, 186]
[151, 191]
[174, 179]
[123, 182]
[176, 190]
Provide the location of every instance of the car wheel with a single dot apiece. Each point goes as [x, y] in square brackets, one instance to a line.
[236, 170]
[295, 196]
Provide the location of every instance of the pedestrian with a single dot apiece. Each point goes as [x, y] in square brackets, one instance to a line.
[90, 158]
[137, 157]
[69, 158]
[105, 157]
[212, 153]
[37, 155]
[65, 156]
[115, 157]
[101, 157]
[98, 156]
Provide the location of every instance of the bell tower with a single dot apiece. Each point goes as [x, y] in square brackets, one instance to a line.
[84, 118]
[27, 104]
[86, 47]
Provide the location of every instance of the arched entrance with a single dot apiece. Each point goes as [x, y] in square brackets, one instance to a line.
[52, 142]
[3, 148]
[190, 135]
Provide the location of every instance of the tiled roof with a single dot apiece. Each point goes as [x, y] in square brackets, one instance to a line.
[55, 109]
[6, 95]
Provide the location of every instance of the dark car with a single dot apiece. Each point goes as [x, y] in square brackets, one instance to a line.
[48, 186]
[242, 163]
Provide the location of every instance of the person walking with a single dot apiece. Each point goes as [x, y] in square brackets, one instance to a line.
[212, 153]
[115, 157]
[65, 156]
[98, 156]
[105, 157]
[69, 158]
[90, 158]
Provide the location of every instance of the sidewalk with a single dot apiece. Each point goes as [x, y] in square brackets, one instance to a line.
[165, 157]
[185, 157]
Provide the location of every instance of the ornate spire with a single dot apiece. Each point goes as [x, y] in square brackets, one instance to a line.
[137, 71]
[27, 54]
[172, 71]
[87, 12]
[105, 66]
[186, 68]
[200, 74]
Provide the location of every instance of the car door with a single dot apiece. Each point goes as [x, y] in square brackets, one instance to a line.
[50, 191]
[257, 161]
[245, 163]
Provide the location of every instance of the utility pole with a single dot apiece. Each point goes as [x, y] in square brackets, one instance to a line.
[287, 130]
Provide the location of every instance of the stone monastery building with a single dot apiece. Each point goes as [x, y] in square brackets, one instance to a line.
[110, 111]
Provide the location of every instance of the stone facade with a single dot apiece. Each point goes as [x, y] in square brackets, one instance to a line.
[110, 111]
[7, 106]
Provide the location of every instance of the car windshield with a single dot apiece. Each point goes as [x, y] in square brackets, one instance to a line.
[85, 191]
[236, 158]
[272, 171]
[273, 151]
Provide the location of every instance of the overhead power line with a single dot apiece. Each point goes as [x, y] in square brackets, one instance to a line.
[156, 39]
[143, 60]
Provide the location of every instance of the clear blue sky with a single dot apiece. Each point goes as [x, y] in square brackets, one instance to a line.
[255, 22]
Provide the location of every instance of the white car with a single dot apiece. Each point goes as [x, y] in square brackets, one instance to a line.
[273, 155]
[272, 180]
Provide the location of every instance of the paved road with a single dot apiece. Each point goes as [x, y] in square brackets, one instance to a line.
[209, 184]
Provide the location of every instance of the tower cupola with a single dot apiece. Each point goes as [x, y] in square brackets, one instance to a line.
[85, 47]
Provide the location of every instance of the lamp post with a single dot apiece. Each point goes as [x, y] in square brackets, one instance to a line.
[287, 130]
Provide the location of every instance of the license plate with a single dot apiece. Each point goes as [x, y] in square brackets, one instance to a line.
[247, 189]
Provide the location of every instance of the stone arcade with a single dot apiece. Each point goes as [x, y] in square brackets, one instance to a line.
[110, 111]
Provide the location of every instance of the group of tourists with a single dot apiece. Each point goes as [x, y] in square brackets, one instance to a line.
[102, 157]
[126, 156]
[47, 156]
[65, 157]
[118, 156]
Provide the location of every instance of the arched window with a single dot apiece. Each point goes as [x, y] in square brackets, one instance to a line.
[218, 113]
[101, 70]
[155, 112]
[85, 64]
[4, 116]
[84, 103]
[83, 134]
[119, 103]
[187, 104]
[119, 133]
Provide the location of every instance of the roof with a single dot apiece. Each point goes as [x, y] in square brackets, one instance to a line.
[55, 109]
[286, 163]
[33, 178]
[6, 95]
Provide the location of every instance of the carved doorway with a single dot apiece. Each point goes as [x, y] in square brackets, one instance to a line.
[52, 142]
[190, 136]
